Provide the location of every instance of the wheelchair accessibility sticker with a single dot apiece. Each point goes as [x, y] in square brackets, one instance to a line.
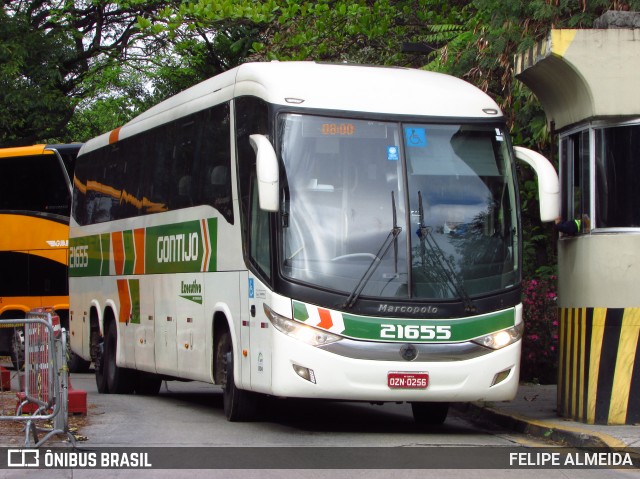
[416, 137]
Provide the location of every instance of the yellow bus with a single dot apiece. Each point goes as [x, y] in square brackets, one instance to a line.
[35, 193]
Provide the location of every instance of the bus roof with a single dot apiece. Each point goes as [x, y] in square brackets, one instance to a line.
[338, 87]
[32, 150]
[40, 149]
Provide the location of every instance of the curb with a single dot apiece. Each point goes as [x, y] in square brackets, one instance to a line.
[565, 435]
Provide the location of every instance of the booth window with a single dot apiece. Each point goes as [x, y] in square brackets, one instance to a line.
[576, 181]
[617, 175]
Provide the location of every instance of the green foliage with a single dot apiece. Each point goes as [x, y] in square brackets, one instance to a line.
[31, 82]
[71, 70]
[54, 56]
[480, 46]
[125, 96]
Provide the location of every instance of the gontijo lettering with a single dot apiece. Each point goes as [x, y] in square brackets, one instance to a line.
[177, 248]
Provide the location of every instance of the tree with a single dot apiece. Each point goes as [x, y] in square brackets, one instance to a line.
[55, 54]
[480, 46]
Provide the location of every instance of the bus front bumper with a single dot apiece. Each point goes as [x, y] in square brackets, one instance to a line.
[300, 370]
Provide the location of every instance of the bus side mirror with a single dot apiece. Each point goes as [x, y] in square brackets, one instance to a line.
[548, 183]
[267, 171]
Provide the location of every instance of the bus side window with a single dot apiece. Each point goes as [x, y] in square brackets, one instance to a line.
[260, 248]
[251, 118]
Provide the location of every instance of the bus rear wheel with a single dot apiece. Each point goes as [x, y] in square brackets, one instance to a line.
[430, 413]
[119, 380]
[76, 363]
[18, 349]
[101, 379]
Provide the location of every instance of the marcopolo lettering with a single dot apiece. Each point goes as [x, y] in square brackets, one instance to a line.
[178, 248]
[407, 309]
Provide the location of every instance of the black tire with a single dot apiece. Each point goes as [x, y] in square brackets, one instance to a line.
[101, 378]
[430, 413]
[148, 384]
[76, 364]
[18, 349]
[119, 380]
[239, 405]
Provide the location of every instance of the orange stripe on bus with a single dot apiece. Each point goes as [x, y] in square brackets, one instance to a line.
[325, 318]
[114, 136]
[207, 246]
[125, 300]
[138, 238]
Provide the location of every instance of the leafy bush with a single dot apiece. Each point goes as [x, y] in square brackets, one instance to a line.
[540, 342]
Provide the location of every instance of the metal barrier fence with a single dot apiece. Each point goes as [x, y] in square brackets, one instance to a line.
[45, 377]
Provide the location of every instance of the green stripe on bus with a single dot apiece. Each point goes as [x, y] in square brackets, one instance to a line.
[105, 245]
[212, 226]
[129, 251]
[186, 247]
[134, 291]
[422, 330]
[176, 248]
[86, 255]
[300, 311]
[376, 328]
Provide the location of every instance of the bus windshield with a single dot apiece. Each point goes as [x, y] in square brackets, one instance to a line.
[36, 184]
[397, 210]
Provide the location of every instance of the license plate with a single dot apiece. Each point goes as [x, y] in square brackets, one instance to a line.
[399, 380]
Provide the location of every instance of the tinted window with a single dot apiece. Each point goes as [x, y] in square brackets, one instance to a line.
[251, 118]
[34, 183]
[576, 176]
[617, 171]
[177, 165]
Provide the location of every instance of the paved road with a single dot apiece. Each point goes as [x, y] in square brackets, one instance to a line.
[190, 415]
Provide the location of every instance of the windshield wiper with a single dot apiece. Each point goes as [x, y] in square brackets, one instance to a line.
[382, 251]
[442, 265]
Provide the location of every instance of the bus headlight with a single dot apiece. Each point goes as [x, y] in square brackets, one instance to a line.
[500, 339]
[301, 332]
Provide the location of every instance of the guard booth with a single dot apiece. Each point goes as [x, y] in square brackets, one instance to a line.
[587, 82]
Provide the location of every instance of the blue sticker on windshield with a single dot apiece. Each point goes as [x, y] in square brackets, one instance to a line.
[416, 137]
[393, 153]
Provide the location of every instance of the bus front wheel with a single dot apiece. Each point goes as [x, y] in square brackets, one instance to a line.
[430, 413]
[239, 405]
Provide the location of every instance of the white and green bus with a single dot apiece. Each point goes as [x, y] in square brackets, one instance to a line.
[297, 229]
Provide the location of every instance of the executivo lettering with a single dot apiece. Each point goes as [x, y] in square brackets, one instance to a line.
[177, 248]
[190, 288]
